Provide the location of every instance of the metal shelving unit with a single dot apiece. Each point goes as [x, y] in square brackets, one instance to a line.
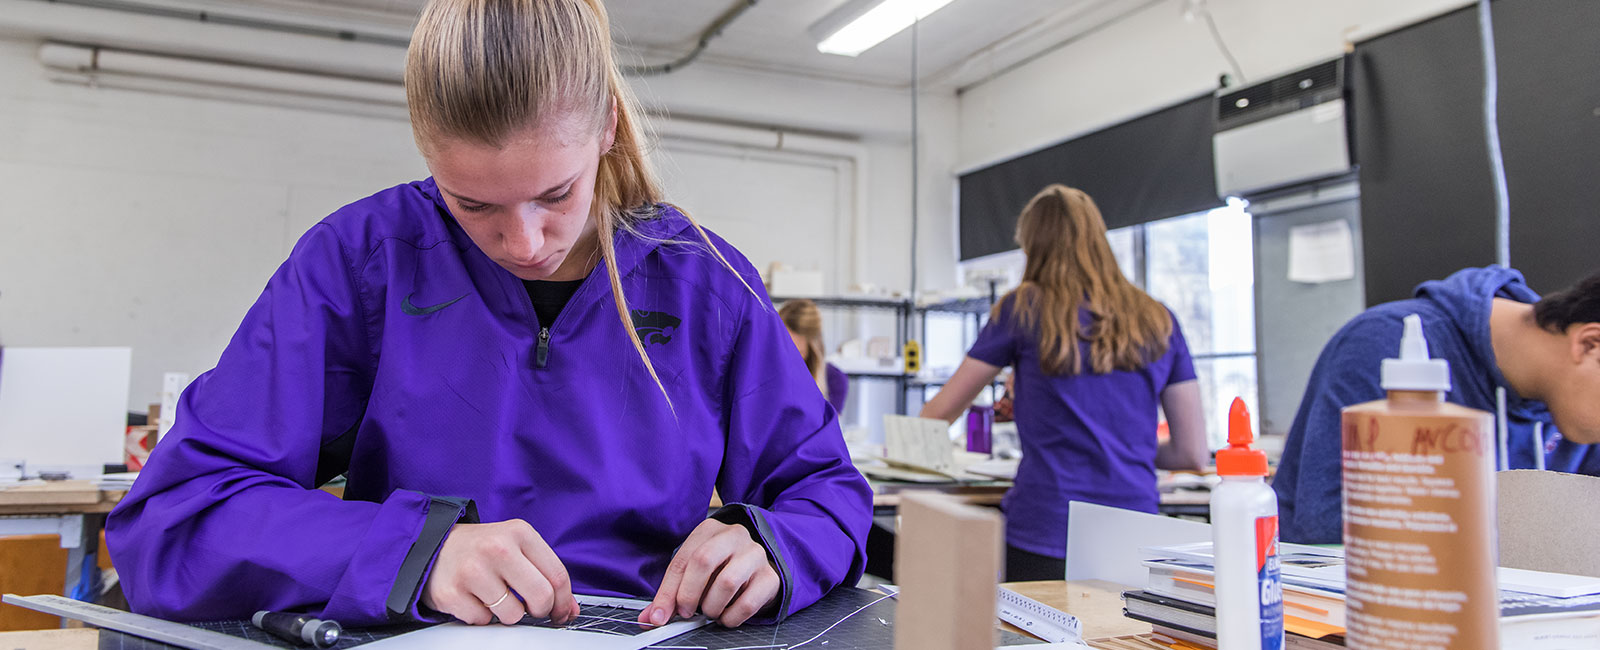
[906, 312]
[902, 314]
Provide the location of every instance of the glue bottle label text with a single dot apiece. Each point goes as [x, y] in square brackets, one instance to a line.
[1268, 585]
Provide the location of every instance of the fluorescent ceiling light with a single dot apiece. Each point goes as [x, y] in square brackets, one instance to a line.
[856, 27]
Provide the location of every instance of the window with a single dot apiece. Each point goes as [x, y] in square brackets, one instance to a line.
[1202, 267]
[1127, 244]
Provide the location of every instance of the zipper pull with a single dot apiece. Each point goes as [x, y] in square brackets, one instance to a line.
[543, 353]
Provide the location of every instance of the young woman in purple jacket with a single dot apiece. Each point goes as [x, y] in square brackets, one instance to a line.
[532, 371]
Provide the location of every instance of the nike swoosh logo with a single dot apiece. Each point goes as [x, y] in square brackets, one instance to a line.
[413, 310]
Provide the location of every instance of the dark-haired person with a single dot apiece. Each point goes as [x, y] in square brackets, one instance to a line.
[1093, 356]
[1496, 333]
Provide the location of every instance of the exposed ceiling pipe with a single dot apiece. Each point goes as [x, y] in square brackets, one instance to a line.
[210, 41]
[176, 88]
[711, 32]
[1074, 38]
[1038, 31]
[95, 61]
[325, 24]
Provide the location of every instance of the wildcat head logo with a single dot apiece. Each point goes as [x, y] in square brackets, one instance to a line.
[654, 327]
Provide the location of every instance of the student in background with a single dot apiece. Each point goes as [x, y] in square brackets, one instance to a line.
[1496, 333]
[804, 322]
[532, 339]
[1094, 356]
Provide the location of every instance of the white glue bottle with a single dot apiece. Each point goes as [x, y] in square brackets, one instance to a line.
[1244, 541]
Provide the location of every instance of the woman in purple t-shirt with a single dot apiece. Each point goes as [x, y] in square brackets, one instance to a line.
[1094, 356]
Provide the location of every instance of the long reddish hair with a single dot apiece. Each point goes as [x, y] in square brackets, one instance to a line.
[1069, 266]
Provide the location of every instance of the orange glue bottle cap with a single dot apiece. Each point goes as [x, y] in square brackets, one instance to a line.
[1239, 459]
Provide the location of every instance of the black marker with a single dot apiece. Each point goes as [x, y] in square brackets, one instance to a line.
[298, 628]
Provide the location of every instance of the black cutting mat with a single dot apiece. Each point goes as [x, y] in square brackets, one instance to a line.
[845, 619]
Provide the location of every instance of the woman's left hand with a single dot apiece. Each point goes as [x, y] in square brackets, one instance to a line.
[720, 571]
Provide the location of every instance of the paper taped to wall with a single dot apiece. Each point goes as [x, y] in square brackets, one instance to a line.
[1322, 252]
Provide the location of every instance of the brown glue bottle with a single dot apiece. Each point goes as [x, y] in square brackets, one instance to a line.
[1419, 517]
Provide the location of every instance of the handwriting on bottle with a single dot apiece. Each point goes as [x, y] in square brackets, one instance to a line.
[1449, 438]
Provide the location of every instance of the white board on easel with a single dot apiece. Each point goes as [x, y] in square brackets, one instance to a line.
[64, 408]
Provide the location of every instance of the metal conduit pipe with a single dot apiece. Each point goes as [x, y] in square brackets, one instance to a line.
[97, 60]
[711, 32]
[208, 41]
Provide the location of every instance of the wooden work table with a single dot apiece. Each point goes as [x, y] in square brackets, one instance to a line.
[886, 494]
[74, 639]
[74, 512]
[1097, 604]
[57, 498]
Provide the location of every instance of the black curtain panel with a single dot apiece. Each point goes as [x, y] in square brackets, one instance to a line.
[1148, 168]
[1427, 196]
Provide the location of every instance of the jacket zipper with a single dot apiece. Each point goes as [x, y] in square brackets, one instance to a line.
[541, 355]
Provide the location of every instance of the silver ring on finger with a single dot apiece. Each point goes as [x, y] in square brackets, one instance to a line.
[502, 599]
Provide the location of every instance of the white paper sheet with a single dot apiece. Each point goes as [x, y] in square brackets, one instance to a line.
[529, 637]
[1322, 252]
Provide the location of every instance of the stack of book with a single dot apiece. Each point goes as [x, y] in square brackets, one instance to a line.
[1538, 611]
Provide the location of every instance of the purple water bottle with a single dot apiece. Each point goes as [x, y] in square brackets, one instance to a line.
[980, 422]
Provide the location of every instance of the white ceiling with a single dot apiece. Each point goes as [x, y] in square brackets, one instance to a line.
[773, 34]
[964, 42]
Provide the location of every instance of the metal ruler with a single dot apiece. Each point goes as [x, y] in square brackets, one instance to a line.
[1039, 619]
[176, 634]
[610, 601]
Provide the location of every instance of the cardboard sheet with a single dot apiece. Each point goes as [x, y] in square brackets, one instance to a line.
[1549, 521]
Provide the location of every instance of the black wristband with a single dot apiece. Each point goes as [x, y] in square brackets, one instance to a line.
[443, 513]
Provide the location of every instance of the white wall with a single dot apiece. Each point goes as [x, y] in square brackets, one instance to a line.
[153, 220]
[1154, 58]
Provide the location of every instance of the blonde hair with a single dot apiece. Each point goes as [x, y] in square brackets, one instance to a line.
[1070, 265]
[802, 317]
[485, 70]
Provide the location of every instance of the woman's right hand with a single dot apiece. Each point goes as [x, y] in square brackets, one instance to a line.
[499, 571]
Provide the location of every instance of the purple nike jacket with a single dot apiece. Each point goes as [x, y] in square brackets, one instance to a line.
[390, 349]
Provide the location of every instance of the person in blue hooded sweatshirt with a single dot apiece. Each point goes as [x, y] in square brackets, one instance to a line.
[532, 370]
[1497, 334]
